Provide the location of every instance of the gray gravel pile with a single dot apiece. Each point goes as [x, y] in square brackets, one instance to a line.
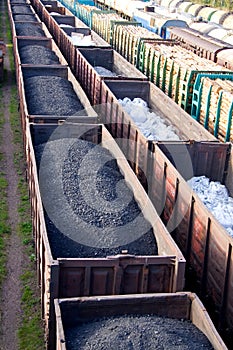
[18, 1]
[114, 217]
[23, 10]
[147, 332]
[51, 95]
[104, 72]
[28, 29]
[37, 54]
[25, 18]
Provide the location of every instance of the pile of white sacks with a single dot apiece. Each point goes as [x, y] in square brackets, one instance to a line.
[150, 124]
[216, 198]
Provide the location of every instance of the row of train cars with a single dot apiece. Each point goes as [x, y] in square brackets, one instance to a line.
[159, 238]
[173, 64]
[159, 16]
[212, 20]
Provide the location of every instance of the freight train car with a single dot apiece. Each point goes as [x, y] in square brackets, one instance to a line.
[70, 33]
[69, 267]
[163, 114]
[203, 46]
[205, 244]
[219, 16]
[96, 65]
[213, 104]
[161, 312]
[158, 23]
[228, 22]
[204, 26]
[38, 106]
[206, 12]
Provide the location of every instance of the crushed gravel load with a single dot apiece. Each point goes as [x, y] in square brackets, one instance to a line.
[136, 332]
[90, 190]
[104, 72]
[28, 29]
[18, 1]
[51, 95]
[37, 54]
[25, 18]
[24, 10]
[216, 198]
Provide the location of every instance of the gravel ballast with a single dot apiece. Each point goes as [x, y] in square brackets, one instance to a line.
[114, 215]
[37, 54]
[147, 332]
[51, 95]
[28, 29]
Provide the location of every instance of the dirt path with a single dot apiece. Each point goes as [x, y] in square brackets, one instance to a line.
[11, 291]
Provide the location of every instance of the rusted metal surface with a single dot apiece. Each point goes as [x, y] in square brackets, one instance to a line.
[204, 242]
[185, 306]
[115, 275]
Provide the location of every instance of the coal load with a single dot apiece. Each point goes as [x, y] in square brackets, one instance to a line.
[37, 54]
[136, 332]
[51, 95]
[113, 219]
[24, 18]
[18, 1]
[28, 29]
[24, 10]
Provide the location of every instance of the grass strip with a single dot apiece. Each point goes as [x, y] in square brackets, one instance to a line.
[31, 331]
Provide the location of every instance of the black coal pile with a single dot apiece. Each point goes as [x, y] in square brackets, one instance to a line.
[134, 332]
[25, 18]
[18, 1]
[28, 29]
[114, 216]
[51, 95]
[37, 54]
[24, 10]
